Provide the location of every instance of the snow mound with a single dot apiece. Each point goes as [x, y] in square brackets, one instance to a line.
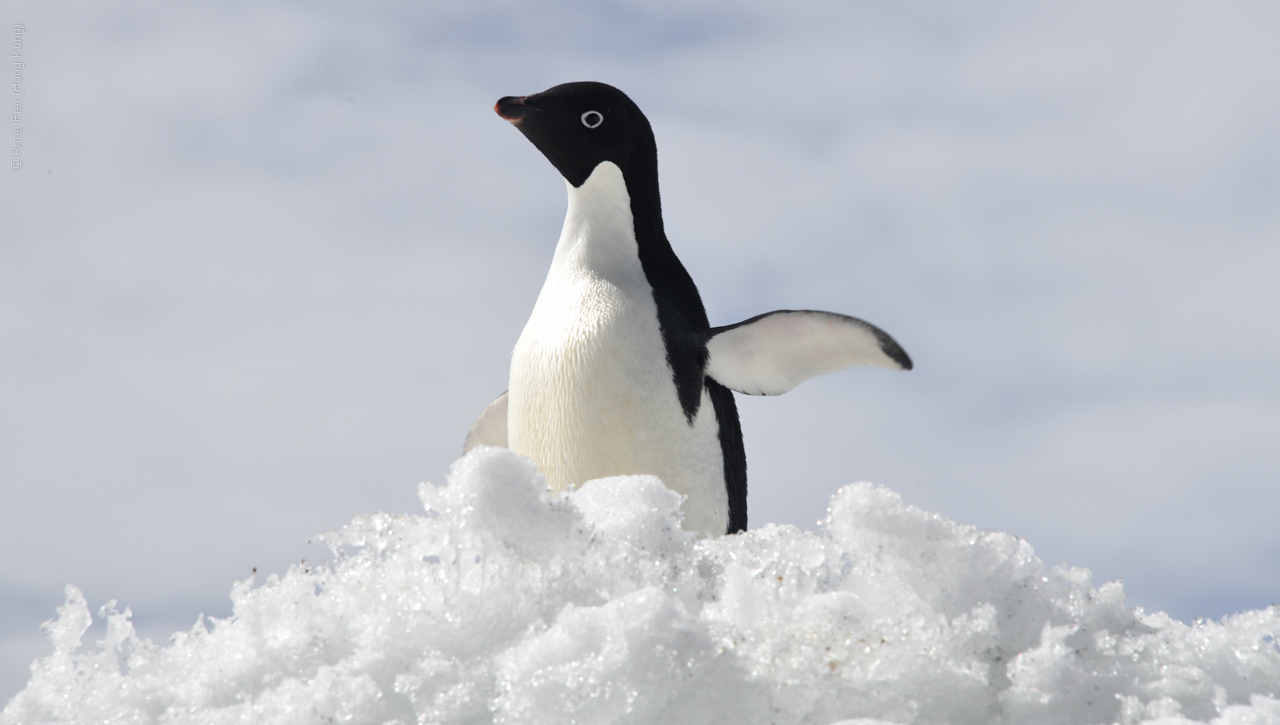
[505, 603]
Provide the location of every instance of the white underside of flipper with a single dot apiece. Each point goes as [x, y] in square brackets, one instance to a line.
[490, 428]
[773, 353]
[591, 393]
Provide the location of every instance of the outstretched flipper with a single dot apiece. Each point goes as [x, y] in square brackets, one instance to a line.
[774, 352]
[490, 429]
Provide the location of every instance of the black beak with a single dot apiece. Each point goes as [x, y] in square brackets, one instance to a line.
[513, 108]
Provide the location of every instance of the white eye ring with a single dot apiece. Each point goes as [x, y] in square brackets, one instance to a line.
[592, 119]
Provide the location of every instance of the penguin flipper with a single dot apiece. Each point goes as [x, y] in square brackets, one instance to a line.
[490, 429]
[772, 353]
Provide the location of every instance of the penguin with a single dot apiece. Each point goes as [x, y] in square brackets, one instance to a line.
[618, 370]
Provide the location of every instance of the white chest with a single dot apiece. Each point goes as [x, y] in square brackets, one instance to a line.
[591, 392]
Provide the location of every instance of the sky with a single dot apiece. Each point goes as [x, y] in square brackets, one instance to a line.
[264, 263]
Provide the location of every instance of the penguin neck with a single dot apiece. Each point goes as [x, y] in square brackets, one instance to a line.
[613, 231]
[599, 236]
[612, 205]
[640, 175]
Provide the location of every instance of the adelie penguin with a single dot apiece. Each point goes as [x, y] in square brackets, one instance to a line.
[618, 371]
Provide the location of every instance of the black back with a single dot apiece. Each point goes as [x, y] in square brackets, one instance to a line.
[560, 123]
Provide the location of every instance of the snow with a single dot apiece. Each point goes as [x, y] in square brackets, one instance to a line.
[505, 603]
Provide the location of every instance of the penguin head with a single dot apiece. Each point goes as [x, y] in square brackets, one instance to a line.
[579, 125]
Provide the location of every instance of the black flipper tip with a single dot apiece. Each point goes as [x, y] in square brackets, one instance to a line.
[890, 347]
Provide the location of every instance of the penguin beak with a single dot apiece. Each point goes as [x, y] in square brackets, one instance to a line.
[513, 108]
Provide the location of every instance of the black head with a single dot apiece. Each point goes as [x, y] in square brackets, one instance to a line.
[578, 125]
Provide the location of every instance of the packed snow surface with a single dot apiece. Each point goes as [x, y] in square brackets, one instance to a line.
[505, 603]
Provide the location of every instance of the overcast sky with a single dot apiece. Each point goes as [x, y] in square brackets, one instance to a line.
[264, 263]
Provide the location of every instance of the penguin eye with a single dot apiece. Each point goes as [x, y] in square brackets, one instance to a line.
[591, 119]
